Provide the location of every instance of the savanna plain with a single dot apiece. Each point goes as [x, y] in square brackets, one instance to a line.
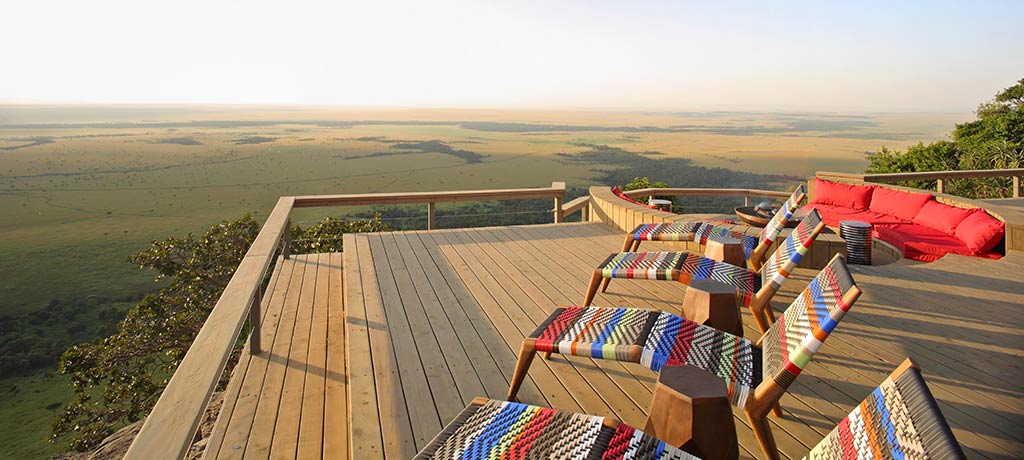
[83, 187]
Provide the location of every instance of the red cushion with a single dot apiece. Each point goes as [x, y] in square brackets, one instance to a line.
[942, 217]
[919, 242]
[832, 215]
[843, 195]
[904, 205]
[980, 231]
[618, 192]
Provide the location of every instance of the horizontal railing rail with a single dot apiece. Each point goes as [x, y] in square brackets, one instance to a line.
[746, 193]
[580, 204]
[939, 176]
[171, 426]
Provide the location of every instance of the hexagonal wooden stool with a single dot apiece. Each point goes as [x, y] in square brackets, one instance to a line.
[713, 304]
[691, 409]
[725, 249]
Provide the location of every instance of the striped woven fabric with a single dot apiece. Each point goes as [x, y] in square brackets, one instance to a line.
[792, 341]
[681, 266]
[782, 262]
[781, 218]
[508, 430]
[603, 333]
[674, 340]
[899, 419]
[658, 338]
[674, 231]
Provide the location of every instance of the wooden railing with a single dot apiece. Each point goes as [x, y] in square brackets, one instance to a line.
[939, 177]
[171, 426]
[744, 192]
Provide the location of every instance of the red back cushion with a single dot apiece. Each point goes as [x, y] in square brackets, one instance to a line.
[904, 205]
[618, 192]
[942, 217]
[843, 195]
[980, 231]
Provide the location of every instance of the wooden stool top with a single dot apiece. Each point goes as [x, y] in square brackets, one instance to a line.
[698, 384]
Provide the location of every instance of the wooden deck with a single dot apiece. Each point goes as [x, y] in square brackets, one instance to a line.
[371, 361]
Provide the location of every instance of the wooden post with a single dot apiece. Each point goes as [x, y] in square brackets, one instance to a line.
[254, 322]
[746, 200]
[430, 216]
[558, 210]
[585, 213]
[940, 185]
[1016, 186]
[286, 241]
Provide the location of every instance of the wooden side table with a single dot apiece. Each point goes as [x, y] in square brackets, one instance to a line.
[690, 409]
[713, 304]
[725, 249]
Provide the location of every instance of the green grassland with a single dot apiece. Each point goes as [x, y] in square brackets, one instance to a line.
[81, 188]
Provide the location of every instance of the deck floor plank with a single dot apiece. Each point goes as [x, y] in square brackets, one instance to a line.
[380, 353]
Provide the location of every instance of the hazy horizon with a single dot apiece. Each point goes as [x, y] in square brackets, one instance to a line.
[661, 56]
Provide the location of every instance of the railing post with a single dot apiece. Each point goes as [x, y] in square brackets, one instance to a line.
[746, 200]
[255, 313]
[286, 241]
[585, 213]
[1016, 186]
[558, 209]
[430, 216]
[940, 185]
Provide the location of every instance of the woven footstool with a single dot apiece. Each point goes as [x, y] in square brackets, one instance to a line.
[500, 429]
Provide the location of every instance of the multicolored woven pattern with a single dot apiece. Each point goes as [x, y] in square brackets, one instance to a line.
[898, 420]
[603, 333]
[676, 341]
[681, 266]
[792, 341]
[781, 218]
[674, 231]
[691, 231]
[659, 339]
[508, 430]
[782, 262]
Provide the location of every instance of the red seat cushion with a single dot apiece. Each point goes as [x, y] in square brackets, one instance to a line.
[980, 231]
[832, 215]
[904, 205]
[942, 217]
[842, 195]
[921, 243]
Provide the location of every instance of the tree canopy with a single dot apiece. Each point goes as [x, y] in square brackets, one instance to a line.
[995, 140]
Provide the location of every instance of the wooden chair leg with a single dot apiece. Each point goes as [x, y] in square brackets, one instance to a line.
[526, 354]
[777, 410]
[628, 243]
[547, 355]
[604, 285]
[770, 314]
[765, 438]
[636, 246]
[595, 282]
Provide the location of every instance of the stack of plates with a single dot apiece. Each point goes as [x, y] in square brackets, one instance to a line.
[858, 241]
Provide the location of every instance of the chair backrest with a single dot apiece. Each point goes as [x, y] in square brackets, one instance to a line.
[793, 340]
[778, 222]
[900, 419]
[786, 257]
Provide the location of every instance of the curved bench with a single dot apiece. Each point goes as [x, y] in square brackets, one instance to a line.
[920, 225]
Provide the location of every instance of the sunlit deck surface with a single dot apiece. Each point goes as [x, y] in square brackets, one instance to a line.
[373, 360]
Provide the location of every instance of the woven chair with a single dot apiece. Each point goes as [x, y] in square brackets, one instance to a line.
[498, 429]
[754, 248]
[757, 374]
[899, 419]
[754, 289]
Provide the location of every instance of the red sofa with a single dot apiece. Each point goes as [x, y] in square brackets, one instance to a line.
[922, 228]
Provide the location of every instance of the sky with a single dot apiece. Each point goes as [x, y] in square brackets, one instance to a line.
[665, 55]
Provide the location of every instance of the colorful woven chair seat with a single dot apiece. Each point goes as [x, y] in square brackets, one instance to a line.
[756, 377]
[754, 289]
[899, 419]
[488, 429]
[754, 248]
